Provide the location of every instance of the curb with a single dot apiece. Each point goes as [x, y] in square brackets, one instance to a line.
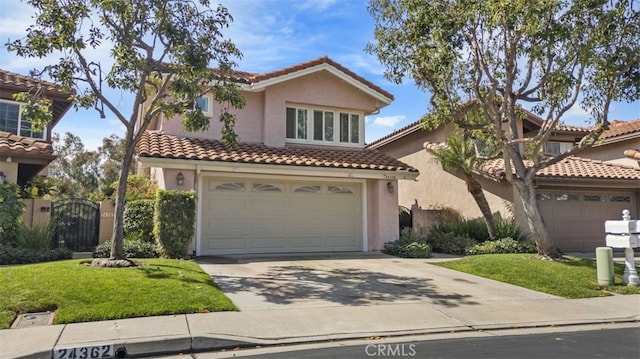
[154, 346]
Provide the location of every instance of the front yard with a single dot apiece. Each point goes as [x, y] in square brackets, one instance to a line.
[81, 293]
[571, 278]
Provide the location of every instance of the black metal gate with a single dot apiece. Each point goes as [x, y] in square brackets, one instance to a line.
[77, 224]
[406, 218]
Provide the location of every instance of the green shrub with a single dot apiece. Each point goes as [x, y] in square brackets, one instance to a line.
[14, 255]
[138, 220]
[174, 220]
[132, 249]
[412, 244]
[37, 238]
[471, 228]
[11, 209]
[504, 245]
[506, 228]
[449, 243]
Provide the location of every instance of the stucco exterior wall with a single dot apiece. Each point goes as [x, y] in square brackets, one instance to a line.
[249, 122]
[613, 152]
[320, 89]
[435, 188]
[263, 119]
[10, 170]
[382, 214]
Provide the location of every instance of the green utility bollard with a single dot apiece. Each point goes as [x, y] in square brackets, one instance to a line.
[604, 264]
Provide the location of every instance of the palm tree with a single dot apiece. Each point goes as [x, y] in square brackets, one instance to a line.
[459, 155]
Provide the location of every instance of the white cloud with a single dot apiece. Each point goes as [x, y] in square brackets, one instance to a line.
[577, 112]
[388, 121]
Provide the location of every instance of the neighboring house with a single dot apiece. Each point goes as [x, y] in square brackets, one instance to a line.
[622, 136]
[24, 153]
[300, 179]
[575, 195]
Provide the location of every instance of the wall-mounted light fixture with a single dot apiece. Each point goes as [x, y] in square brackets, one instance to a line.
[180, 179]
[390, 187]
[2, 177]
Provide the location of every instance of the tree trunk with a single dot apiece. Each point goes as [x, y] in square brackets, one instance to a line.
[546, 246]
[476, 191]
[117, 247]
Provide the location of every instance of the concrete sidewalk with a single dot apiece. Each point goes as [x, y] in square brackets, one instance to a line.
[489, 305]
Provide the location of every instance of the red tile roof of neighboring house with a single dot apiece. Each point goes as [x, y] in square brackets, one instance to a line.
[159, 145]
[21, 81]
[620, 128]
[415, 126]
[563, 127]
[634, 154]
[570, 168]
[11, 144]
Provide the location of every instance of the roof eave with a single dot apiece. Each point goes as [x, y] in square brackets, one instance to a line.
[290, 170]
[261, 85]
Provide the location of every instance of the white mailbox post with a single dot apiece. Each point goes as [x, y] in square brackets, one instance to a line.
[625, 234]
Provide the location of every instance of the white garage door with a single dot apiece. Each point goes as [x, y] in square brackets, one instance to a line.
[277, 216]
[575, 219]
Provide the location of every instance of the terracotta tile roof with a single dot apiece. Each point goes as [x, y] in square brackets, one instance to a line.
[633, 154]
[570, 168]
[620, 128]
[401, 132]
[563, 127]
[11, 144]
[415, 126]
[20, 81]
[160, 145]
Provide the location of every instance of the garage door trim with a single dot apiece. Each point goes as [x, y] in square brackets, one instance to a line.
[203, 177]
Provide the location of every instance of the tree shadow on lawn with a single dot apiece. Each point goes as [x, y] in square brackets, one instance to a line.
[158, 271]
[290, 284]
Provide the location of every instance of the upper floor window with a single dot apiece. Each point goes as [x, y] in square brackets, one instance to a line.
[204, 103]
[557, 147]
[11, 121]
[323, 126]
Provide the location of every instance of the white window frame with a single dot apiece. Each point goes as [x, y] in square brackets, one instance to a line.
[209, 110]
[18, 133]
[310, 135]
[563, 146]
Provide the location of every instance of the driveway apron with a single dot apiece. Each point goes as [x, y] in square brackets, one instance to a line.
[360, 279]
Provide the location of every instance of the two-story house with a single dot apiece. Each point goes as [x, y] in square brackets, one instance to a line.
[24, 152]
[575, 195]
[300, 180]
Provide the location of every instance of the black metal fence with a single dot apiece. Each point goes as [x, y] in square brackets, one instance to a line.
[406, 218]
[77, 224]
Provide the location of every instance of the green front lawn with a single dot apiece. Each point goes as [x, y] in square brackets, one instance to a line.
[572, 278]
[82, 293]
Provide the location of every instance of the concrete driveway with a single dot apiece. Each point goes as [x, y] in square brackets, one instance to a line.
[355, 279]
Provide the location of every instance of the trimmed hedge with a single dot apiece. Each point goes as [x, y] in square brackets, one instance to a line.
[138, 220]
[14, 255]
[412, 244]
[449, 243]
[504, 245]
[132, 249]
[174, 221]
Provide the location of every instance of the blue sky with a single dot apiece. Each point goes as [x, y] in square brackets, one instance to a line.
[272, 34]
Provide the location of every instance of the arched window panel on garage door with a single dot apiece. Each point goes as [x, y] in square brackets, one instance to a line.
[267, 187]
[230, 186]
[307, 189]
[341, 190]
